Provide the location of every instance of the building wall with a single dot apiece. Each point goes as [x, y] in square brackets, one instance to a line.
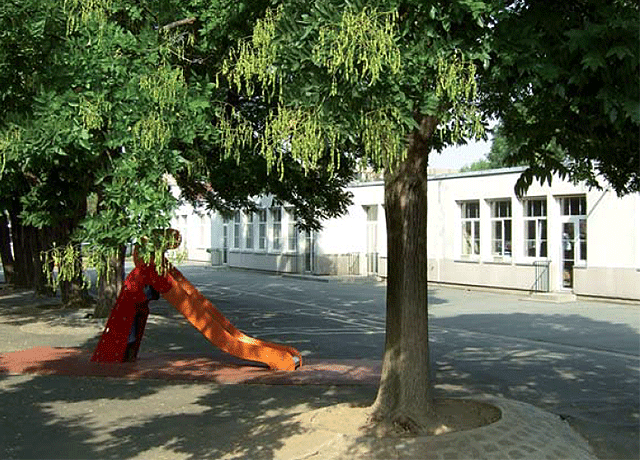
[356, 243]
[195, 229]
[612, 261]
[332, 251]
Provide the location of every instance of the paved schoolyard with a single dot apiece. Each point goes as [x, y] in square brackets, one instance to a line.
[579, 360]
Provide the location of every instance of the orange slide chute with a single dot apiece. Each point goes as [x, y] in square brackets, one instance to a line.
[123, 332]
[201, 313]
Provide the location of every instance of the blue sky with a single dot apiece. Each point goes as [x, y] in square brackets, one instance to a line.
[457, 157]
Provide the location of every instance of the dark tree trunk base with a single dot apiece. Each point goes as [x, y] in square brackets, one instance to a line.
[6, 254]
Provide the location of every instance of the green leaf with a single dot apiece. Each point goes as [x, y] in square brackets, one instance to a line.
[620, 52]
[593, 61]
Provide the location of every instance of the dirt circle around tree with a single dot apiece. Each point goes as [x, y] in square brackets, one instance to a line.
[450, 416]
[345, 431]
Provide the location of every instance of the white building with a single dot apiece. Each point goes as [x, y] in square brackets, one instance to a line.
[561, 237]
[195, 228]
[480, 234]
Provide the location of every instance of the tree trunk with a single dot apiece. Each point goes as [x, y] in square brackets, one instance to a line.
[6, 254]
[110, 284]
[404, 397]
[38, 241]
[73, 293]
[21, 266]
[27, 247]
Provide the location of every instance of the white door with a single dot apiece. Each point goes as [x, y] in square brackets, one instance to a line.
[574, 237]
[574, 247]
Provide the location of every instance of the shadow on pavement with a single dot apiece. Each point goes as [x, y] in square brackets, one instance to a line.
[596, 390]
[79, 417]
[64, 417]
[56, 416]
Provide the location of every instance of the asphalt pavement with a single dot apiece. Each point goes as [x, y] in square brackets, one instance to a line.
[579, 360]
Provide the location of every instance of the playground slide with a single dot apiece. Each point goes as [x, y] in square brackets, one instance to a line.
[201, 313]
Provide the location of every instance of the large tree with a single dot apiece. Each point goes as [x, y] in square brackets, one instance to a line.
[391, 82]
[30, 31]
[387, 83]
[104, 100]
[91, 112]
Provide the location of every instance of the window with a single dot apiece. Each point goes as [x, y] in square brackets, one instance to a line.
[574, 206]
[249, 235]
[535, 227]
[236, 230]
[276, 229]
[292, 231]
[262, 229]
[582, 240]
[501, 227]
[470, 228]
[225, 240]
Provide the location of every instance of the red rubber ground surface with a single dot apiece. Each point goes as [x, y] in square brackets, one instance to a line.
[222, 370]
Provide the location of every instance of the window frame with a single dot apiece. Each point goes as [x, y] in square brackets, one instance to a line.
[262, 229]
[573, 205]
[292, 230]
[276, 229]
[471, 220]
[502, 222]
[540, 220]
[573, 208]
[249, 230]
[237, 230]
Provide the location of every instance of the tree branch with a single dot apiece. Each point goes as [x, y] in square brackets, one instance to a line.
[179, 23]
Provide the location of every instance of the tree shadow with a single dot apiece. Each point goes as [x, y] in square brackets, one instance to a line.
[54, 416]
[65, 417]
[71, 417]
[591, 381]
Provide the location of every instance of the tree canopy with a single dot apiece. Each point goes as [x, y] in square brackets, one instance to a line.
[500, 154]
[103, 101]
[383, 83]
[564, 77]
[347, 77]
[390, 82]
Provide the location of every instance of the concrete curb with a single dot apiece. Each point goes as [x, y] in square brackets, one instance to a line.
[524, 432]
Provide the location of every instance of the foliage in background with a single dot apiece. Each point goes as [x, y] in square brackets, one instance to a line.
[94, 102]
[500, 155]
[106, 100]
[565, 78]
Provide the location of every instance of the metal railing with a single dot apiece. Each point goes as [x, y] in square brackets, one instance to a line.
[541, 283]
